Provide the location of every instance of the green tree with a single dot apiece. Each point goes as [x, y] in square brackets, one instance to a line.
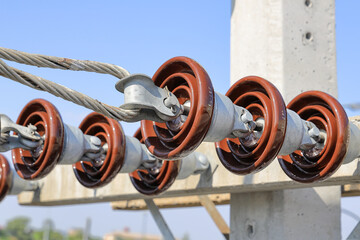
[54, 235]
[94, 238]
[37, 235]
[4, 235]
[49, 229]
[186, 236]
[78, 235]
[19, 228]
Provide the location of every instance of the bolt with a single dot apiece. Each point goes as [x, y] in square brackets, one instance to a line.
[98, 162]
[246, 116]
[4, 138]
[35, 153]
[313, 131]
[32, 128]
[170, 101]
[95, 140]
[260, 124]
[247, 119]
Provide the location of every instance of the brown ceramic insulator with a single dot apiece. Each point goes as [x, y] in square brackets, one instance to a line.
[108, 131]
[5, 177]
[153, 184]
[327, 114]
[189, 82]
[48, 122]
[262, 100]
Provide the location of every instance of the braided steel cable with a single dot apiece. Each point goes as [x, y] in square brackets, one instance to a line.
[62, 63]
[68, 94]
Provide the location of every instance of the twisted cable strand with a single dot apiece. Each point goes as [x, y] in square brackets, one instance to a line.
[62, 63]
[68, 94]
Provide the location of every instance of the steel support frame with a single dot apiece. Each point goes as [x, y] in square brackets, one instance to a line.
[160, 221]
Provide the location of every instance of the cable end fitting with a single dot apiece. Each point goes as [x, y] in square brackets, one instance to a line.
[155, 103]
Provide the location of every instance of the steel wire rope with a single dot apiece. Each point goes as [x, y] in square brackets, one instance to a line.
[62, 63]
[58, 90]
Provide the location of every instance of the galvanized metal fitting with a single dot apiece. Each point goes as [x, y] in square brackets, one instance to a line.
[11, 183]
[136, 156]
[195, 163]
[301, 135]
[312, 137]
[155, 103]
[353, 150]
[26, 138]
[239, 121]
[80, 147]
[244, 123]
[19, 185]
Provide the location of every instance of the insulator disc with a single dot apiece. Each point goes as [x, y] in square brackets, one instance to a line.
[109, 131]
[5, 177]
[189, 82]
[328, 115]
[262, 100]
[153, 184]
[48, 122]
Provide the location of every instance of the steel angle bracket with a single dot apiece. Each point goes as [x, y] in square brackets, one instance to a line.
[155, 103]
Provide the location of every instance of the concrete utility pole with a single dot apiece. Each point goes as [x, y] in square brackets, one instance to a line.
[292, 44]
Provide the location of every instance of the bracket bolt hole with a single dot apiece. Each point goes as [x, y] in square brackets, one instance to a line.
[250, 231]
[308, 3]
[308, 36]
[250, 228]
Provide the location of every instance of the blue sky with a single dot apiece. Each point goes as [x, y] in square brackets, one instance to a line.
[139, 36]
